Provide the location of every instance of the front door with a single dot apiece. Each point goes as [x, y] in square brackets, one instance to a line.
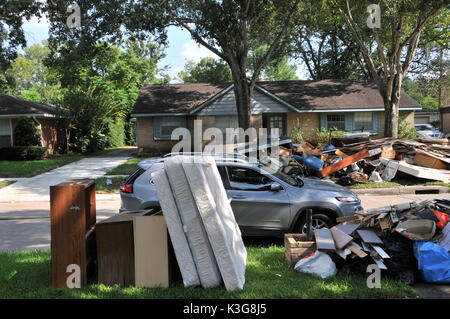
[253, 203]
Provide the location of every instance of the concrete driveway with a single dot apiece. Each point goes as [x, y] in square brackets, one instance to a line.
[36, 189]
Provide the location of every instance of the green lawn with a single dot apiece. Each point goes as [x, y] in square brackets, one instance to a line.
[102, 188]
[32, 168]
[396, 182]
[126, 168]
[5, 183]
[27, 275]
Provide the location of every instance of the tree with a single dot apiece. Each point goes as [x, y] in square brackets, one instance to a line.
[402, 24]
[208, 70]
[223, 27]
[12, 15]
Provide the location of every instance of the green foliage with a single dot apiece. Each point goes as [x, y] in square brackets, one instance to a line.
[298, 131]
[31, 95]
[116, 134]
[208, 70]
[27, 133]
[320, 137]
[405, 129]
[22, 153]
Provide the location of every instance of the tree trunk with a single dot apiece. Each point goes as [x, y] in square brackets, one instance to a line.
[242, 94]
[391, 97]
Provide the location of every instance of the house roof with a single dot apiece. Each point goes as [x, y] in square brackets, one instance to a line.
[301, 96]
[175, 98]
[13, 106]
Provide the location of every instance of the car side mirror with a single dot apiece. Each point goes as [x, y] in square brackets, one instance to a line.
[275, 187]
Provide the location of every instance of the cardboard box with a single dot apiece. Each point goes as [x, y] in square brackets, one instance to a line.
[429, 161]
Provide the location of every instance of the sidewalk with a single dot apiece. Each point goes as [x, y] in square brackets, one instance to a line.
[36, 189]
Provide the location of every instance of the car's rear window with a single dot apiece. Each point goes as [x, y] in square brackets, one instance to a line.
[130, 179]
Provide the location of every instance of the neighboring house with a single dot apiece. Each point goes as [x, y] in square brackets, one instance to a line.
[445, 119]
[348, 105]
[47, 117]
[427, 116]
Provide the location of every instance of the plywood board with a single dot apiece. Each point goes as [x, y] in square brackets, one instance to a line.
[151, 252]
[324, 239]
[356, 250]
[340, 238]
[369, 236]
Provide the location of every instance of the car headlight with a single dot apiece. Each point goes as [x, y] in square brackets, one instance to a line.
[347, 199]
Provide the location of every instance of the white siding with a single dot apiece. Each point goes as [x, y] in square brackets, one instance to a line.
[261, 103]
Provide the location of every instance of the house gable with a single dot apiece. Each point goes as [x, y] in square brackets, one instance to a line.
[261, 102]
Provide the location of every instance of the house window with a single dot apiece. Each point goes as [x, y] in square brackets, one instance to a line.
[275, 121]
[164, 126]
[363, 121]
[336, 120]
[5, 133]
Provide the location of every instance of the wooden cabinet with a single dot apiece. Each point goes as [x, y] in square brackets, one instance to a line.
[72, 220]
[135, 249]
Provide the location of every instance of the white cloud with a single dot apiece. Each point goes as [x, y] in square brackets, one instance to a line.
[192, 51]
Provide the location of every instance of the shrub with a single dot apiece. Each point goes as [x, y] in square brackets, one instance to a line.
[405, 129]
[27, 133]
[21, 153]
[298, 131]
[323, 136]
[116, 134]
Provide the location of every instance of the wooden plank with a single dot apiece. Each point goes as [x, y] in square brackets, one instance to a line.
[349, 160]
[384, 223]
[369, 236]
[340, 238]
[429, 161]
[347, 218]
[324, 239]
[357, 251]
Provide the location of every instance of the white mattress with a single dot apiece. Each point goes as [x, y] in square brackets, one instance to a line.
[218, 218]
[207, 268]
[178, 237]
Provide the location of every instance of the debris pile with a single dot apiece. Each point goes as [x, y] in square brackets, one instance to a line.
[385, 236]
[376, 160]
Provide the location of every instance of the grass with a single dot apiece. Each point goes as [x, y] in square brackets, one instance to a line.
[26, 274]
[102, 188]
[396, 182]
[126, 168]
[5, 183]
[31, 168]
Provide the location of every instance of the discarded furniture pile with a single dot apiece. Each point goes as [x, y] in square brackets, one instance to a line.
[196, 234]
[400, 239]
[377, 160]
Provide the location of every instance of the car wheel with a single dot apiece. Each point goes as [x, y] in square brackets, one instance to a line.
[318, 221]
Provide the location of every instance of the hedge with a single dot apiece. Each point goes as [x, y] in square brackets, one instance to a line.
[21, 153]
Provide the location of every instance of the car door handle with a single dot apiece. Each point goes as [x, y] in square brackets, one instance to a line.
[238, 196]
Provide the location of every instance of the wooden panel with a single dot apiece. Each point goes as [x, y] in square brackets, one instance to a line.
[67, 219]
[349, 160]
[151, 251]
[340, 238]
[115, 253]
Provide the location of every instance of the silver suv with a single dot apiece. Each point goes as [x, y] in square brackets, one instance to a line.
[265, 201]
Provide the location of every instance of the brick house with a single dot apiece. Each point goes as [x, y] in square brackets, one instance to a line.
[47, 116]
[352, 106]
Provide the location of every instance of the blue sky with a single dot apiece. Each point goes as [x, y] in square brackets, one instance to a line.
[180, 49]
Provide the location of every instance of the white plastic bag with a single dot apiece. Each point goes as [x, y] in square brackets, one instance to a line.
[319, 265]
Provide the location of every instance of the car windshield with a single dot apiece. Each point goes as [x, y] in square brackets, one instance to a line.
[275, 171]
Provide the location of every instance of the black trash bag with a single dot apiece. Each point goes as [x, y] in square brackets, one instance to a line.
[403, 264]
[345, 181]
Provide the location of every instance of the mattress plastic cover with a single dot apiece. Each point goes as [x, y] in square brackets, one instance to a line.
[178, 237]
[202, 253]
[218, 218]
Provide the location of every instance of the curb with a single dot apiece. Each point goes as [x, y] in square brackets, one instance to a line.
[403, 190]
